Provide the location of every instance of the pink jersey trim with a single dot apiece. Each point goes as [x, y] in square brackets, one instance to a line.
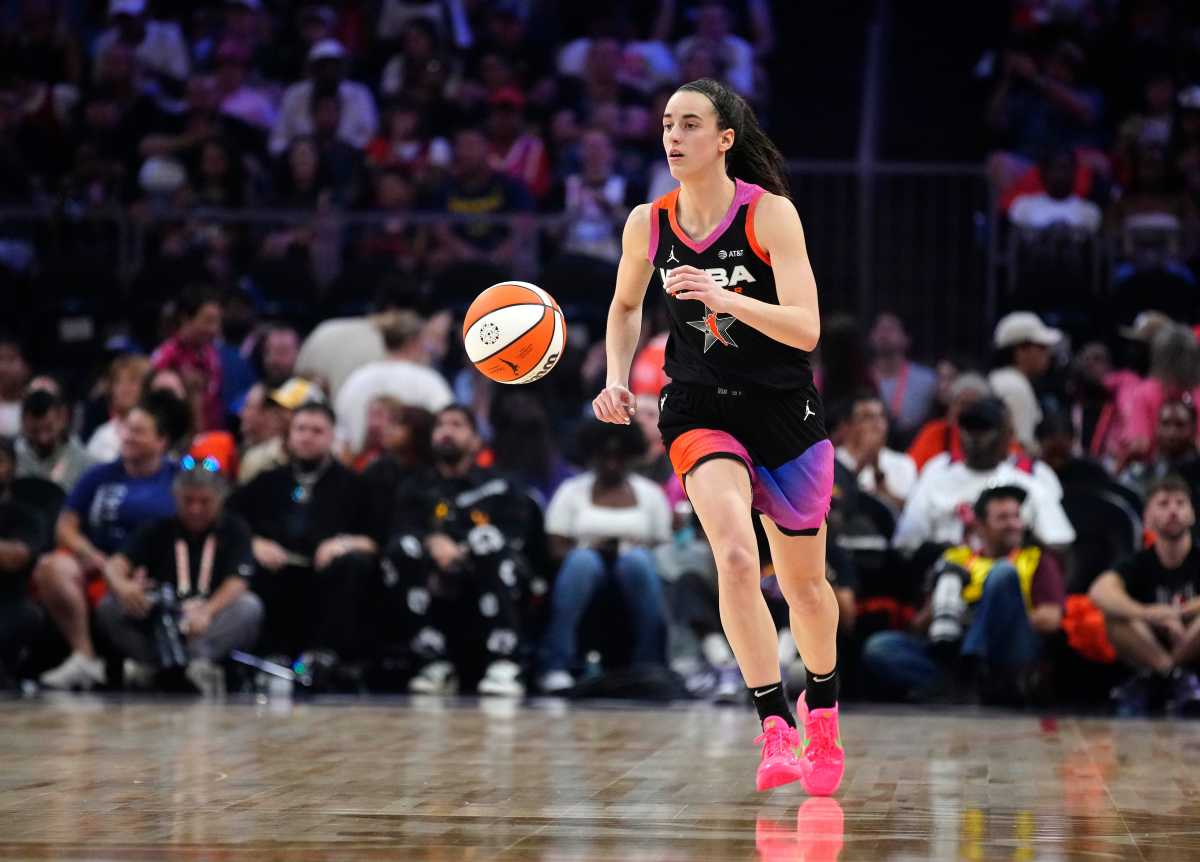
[743, 194]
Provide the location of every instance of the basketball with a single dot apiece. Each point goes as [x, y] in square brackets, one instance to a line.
[514, 332]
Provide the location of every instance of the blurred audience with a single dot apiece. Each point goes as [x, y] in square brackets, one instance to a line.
[907, 388]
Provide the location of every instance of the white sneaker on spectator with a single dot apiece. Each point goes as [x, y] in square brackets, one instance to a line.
[437, 677]
[502, 679]
[77, 672]
[555, 681]
[206, 675]
[139, 676]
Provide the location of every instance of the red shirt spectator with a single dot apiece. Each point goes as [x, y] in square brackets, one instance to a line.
[191, 353]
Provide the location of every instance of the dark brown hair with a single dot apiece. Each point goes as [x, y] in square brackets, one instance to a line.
[753, 158]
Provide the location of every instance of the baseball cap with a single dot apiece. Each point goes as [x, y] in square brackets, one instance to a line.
[1144, 326]
[126, 7]
[1023, 327]
[327, 49]
[983, 415]
[295, 393]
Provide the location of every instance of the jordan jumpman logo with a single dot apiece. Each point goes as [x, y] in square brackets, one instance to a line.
[671, 258]
[807, 411]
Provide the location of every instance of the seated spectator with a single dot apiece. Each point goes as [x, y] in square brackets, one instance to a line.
[884, 472]
[1174, 375]
[938, 511]
[270, 427]
[395, 244]
[1041, 103]
[46, 448]
[1152, 123]
[1094, 389]
[603, 525]
[405, 145]
[191, 351]
[1153, 202]
[343, 162]
[713, 30]
[158, 44]
[596, 201]
[524, 446]
[1058, 205]
[1026, 342]
[239, 97]
[475, 188]
[278, 349]
[907, 388]
[357, 120]
[201, 558]
[942, 435]
[1149, 602]
[990, 608]
[405, 450]
[404, 374]
[315, 563]
[1059, 444]
[1175, 451]
[14, 375]
[107, 506]
[23, 536]
[458, 563]
[125, 378]
[517, 150]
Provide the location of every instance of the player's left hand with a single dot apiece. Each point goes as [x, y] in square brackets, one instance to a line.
[688, 282]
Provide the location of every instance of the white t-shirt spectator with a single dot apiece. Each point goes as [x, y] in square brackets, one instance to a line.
[573, 515]
[105, 443]
[594, 217]
[163, 50]
[947, 490]
[1014, 389]
[357, 126]
[10, 418]
[338, 347]
[408, 382]
[1042, 211]
[898, 469]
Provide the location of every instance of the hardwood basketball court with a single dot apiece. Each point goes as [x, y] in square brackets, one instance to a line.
[88, 778]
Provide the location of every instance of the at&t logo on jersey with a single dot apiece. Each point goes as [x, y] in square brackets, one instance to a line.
[721, 277]
[737, 252]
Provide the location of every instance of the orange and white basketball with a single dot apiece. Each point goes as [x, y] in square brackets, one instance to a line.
[514, 332]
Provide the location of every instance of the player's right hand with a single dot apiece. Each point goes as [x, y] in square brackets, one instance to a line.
[616, 404]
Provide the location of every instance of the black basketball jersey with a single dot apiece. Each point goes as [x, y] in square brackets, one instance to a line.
[712, 349]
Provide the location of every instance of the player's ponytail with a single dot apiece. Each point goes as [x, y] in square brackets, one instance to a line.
[753, 157]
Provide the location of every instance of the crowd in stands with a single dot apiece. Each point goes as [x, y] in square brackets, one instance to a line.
[264, 448]
[1093, 119]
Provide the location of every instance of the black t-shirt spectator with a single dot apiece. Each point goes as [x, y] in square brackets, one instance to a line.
[498, 195]
[429, 503]
[277, 507]
[154, 547]
[1149, 582]
[21, 523]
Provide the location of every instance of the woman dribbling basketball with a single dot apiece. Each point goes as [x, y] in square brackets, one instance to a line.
[741, 418]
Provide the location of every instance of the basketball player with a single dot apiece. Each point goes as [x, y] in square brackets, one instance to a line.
[741, 419]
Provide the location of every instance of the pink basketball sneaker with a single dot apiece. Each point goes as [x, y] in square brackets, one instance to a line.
[780, 762]
[822, 749]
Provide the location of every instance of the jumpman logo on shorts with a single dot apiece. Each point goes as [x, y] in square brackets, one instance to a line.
[671, 258]
[807, 411]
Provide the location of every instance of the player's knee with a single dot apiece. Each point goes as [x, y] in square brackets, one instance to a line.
[808, 594]
[737, 567]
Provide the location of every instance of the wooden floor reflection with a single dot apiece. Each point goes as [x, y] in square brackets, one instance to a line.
[94, 779]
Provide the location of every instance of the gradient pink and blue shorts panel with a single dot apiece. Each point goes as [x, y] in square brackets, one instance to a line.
[795, 494]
